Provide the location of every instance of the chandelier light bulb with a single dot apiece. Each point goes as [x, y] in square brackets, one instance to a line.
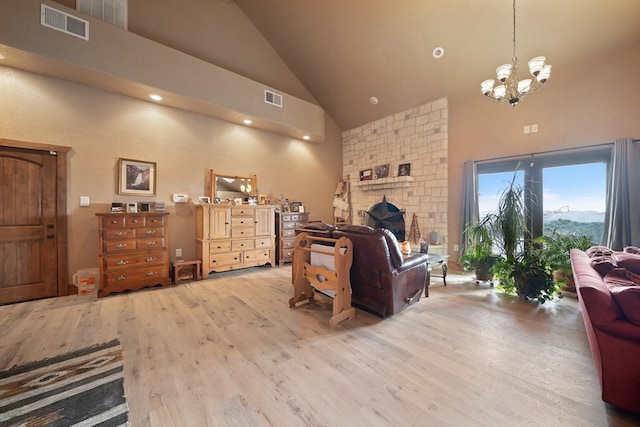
[503, 72]
[536, 65]
[487, 86]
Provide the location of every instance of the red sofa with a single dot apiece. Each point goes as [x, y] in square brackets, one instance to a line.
[608, 288]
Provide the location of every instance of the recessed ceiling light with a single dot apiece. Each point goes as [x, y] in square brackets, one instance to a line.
[438, 52]
[306, 137]
[247, 121]
[2, 57]
[155, 97]
[373, 100]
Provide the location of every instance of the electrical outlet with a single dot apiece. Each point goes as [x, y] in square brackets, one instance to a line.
[456, 248]
[178, 253]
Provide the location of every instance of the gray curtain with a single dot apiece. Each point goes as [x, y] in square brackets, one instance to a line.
[622, 214]
[470, 214]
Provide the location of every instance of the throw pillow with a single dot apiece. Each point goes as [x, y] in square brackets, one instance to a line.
[632, 250]
[628, 299]
[603, 264]
[598, 251]
[629, 261]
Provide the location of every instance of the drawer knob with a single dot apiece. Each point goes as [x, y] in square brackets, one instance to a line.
[121, 233]
[151, 231]
[151, 273]
[152, 259]
[122, 277]
[153, 243]
[121, 245]
[122, 262]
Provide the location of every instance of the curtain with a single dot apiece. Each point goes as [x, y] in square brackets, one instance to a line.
[622, 214]
[470, 214]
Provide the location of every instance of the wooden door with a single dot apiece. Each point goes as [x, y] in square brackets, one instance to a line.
[28, 225]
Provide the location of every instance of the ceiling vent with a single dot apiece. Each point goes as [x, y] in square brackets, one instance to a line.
[114, 12]
[273, 98]
[61, 21]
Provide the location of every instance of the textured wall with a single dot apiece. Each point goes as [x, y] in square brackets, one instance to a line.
[418, 136]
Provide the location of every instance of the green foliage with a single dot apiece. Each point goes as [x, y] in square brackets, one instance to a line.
[554, 247]
[510, 219]
[478, 255]
[532, 278]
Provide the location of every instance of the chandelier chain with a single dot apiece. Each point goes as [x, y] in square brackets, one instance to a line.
[515, 58]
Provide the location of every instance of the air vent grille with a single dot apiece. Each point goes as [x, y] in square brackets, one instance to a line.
[114, 12]
[273, 98]
[61, 21]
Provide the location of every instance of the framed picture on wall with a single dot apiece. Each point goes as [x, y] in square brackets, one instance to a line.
[366, 175]
[136, 177]
[382, 171]
[404, 169]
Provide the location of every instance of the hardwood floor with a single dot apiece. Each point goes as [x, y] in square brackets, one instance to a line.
[228, 351]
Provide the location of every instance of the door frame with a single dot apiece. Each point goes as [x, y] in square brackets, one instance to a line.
[61, 203]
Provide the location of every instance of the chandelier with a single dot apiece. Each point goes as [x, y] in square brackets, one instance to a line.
[509, 88]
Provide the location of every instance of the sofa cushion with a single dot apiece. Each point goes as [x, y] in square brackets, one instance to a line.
[628, 299]
[635, 278]
[603, 263]
[632, 250]
[628, 260]
[598, 251]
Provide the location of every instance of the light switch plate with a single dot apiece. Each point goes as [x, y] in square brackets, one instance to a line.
[85, 201]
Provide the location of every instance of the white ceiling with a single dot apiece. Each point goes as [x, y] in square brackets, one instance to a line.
[345, 51]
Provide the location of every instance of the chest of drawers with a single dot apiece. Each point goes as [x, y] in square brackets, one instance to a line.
[233, 237]
[286, 224]
[133, 251]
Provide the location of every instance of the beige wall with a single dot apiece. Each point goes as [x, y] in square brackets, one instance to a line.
[586, 103]
[101, 127]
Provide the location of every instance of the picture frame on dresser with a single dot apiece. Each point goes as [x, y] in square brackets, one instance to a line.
[136, 177]
[295, 206]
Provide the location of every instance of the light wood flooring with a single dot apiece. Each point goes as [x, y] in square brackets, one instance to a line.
[228, 351]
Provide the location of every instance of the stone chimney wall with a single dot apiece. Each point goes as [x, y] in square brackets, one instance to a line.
[418, 136]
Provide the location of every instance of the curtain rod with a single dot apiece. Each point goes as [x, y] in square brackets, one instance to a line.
[583, 149]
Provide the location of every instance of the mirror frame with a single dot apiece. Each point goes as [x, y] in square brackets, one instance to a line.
[214, 185]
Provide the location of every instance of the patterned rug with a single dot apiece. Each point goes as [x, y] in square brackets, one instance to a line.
[85, 387]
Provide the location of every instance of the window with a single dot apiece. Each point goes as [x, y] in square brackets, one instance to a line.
[565, 192]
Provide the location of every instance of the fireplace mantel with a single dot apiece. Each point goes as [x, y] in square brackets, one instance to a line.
[382, 183]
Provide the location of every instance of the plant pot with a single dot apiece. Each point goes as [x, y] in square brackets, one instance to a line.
[484, 273]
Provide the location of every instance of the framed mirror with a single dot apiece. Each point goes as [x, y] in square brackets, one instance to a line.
[224, 187]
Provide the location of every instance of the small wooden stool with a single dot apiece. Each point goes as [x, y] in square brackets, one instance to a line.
[185, 270]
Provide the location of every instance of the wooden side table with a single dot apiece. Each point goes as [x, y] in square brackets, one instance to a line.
[185, 270]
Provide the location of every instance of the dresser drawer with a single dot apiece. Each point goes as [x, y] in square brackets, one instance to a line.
[238, 233]
[134, 221]
[285, 254]
[241, 245]
[118, 245]
[288, 232]
[262, 243]
[219, 260]
[287, 243]
[115, 262]
[154, 221]
[113, 222]
[150, 243]
[285, 217]
[219, 246]
[150, 232]
[241, 211]
[131, 276]
[240, 222]
[257, 255]
[111, 233]
[288, 225]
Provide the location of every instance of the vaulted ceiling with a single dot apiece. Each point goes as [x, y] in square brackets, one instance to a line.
[346, 51]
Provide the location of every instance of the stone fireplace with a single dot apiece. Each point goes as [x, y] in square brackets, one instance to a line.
[413, 147]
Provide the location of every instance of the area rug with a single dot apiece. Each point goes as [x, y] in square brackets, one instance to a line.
[84, 388]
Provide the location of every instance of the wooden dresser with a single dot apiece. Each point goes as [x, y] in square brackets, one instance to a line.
[233, 237]
[286, 225]
[133, 251]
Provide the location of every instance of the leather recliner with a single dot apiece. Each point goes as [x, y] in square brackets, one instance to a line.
[382, 281]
